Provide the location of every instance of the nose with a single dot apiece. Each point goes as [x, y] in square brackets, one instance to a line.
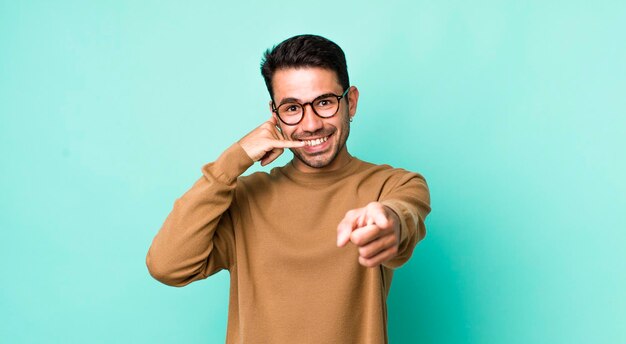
[310, 122]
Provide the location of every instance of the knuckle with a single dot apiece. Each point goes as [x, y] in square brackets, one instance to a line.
[373, 205]
[264, 142]
[395, 243]
[391, 240]
[363, 261]
[363, 252]
[356, 239]
[370, 263]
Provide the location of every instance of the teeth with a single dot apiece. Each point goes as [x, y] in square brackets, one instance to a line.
[316, 141]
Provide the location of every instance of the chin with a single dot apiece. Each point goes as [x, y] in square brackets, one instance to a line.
[317, 161]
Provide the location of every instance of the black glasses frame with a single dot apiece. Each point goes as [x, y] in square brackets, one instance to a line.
[275, 109]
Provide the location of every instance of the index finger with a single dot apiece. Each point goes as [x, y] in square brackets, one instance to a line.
[346, 226]
[287, 144]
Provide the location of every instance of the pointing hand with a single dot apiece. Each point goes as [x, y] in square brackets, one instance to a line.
[374, 229]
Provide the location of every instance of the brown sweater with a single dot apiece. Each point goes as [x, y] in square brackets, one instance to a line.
[276, 234]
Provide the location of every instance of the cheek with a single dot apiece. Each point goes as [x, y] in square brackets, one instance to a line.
[286, 132]
[344, 126]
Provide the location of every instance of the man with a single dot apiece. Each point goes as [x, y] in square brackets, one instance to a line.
[310, 246]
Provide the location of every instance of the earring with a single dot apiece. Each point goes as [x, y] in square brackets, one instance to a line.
[351, 118]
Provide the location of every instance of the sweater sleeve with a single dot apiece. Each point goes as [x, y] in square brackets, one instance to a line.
[196, 239]
[409, 198]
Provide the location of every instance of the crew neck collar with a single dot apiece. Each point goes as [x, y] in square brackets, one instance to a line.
[323, 177]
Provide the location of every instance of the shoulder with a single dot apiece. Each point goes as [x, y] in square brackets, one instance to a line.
[259, 178]
[385, 171]
[389, 180]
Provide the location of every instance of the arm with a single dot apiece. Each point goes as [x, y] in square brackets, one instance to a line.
[410, 201]
[196, 239]
[387, 231]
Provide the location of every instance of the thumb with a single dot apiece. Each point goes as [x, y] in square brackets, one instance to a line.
[381, 220]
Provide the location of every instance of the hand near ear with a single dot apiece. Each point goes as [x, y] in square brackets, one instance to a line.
[266, 142]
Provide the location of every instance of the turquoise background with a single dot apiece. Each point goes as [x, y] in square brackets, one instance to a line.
[514, 111]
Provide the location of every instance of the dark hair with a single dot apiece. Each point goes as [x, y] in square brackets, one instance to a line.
[305, 51]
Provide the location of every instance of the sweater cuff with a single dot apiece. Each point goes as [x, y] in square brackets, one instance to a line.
[408, 233]
[403, 214]
[233, 162]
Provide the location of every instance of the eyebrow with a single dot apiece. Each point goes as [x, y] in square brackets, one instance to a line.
[296, 100]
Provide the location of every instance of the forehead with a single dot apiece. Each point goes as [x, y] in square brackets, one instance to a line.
[304, 83]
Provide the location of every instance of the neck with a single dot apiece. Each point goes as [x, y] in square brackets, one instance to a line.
[341, 160]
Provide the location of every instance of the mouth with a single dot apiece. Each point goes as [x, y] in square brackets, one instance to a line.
[315, 142]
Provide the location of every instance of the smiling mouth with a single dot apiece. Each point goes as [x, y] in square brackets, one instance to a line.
[315, 142]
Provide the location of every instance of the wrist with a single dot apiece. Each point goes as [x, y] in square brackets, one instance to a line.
[232, 163]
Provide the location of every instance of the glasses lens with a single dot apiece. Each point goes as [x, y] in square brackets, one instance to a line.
[290, 112]
[326, 107]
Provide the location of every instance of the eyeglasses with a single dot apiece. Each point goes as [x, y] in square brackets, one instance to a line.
[324, 106]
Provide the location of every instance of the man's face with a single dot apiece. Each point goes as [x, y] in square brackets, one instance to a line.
[326, 136]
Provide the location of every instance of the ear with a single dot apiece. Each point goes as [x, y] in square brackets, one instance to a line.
[353, 99]
[271, 109]
[276, 119]
[278, 123]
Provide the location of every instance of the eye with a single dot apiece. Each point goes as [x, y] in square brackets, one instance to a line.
[325, 102]
[289, 109]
